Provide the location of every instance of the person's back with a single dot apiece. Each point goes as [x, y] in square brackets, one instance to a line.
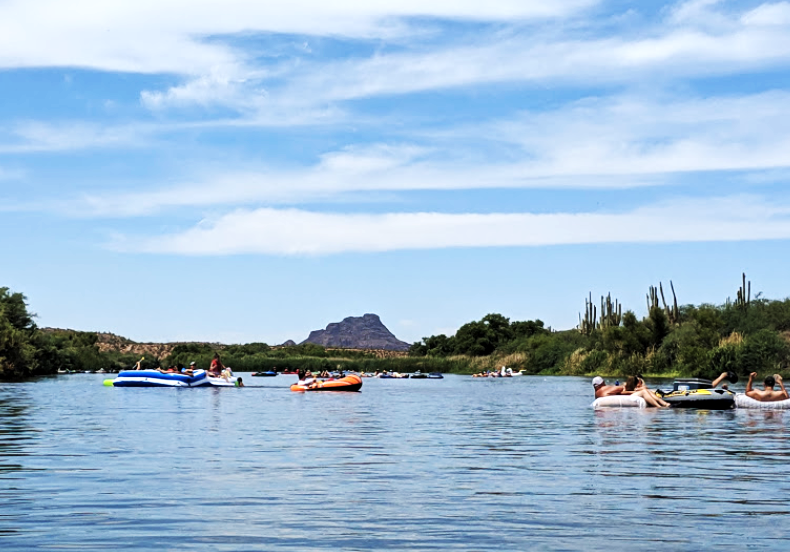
[603, 390]
[769, 394]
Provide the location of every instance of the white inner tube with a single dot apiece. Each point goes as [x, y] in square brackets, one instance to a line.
[742, 401]
[632, 401]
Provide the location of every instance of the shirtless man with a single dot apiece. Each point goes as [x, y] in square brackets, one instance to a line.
[603, 390]
[769, 394]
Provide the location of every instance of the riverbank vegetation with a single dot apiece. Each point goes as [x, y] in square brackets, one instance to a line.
[742, 336]
[745, 335]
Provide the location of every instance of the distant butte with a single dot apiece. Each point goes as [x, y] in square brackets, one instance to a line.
[360, 332]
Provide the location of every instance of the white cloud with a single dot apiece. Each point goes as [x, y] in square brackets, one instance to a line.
[695, 12]
[769, 15]
[36, 136]
[669, 51]
[633, 136]
[203, 91]
[596, 143]
[169, 35]
[697, 38]
[694, 40]
[296, 232]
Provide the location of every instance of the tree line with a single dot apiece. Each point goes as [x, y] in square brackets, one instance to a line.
[745, 335]
[742, 336]
[26, 351]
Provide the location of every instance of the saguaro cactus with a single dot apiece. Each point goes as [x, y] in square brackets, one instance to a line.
[652, 299]
[611, 313]
[672, 312]
[588, 324]
[744, 294]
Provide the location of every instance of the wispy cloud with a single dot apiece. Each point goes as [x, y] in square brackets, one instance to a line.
[297, 232]
[695, 39]
[750, 41]
[631, 135]
[596, 143]
[150, 36]
[37, 136]
[699, 37]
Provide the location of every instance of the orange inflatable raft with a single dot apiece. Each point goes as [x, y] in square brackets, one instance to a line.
[348, 383]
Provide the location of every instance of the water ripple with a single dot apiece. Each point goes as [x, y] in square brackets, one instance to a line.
[455, 464]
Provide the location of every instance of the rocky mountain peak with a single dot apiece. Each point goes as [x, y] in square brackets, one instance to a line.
[357, 332]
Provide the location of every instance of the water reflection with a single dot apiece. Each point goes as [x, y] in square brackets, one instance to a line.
[15, 431]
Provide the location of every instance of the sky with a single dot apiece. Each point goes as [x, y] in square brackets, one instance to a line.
[246, 171]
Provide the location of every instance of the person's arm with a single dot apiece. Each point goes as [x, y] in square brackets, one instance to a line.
[718, 380]
[753, 393]
[781, 383]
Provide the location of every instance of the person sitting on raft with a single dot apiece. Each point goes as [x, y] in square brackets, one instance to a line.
[603, 390]
[305, 377]
[769, 394]
[216, 367]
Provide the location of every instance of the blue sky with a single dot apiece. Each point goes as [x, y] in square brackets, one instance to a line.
[237, 171]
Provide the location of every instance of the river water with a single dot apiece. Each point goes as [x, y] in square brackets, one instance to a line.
[455, 464]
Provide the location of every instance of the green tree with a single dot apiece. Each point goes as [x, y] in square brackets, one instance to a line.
[499, 327]
[725, 359]
[475, 339]
[527, 329]
[764, 350]
[777, 314]
[17, 352]
[484, 337]
[547, 352]
[658, 324]
[687, 348]
[439, 345]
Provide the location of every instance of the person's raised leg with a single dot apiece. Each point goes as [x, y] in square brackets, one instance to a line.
[651, 398]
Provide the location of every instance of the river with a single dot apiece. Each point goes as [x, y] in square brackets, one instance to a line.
[461, 463]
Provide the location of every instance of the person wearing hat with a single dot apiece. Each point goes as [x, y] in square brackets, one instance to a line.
[191, 370]
[603, 390]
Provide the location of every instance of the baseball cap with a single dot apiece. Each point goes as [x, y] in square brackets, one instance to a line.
[597, 380]
[192, 363]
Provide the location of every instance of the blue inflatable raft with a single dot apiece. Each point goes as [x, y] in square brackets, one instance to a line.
[155, 378]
